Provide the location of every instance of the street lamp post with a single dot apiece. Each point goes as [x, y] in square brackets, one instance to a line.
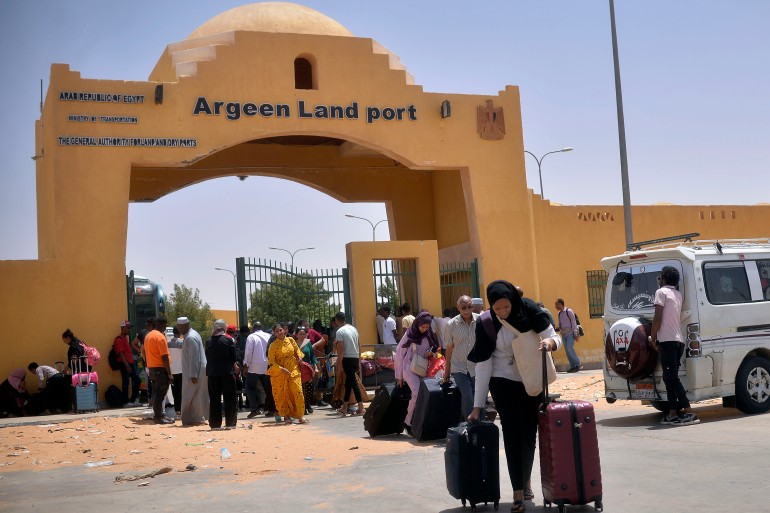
[291, 254]
[374, 226]
[540, 161]
[235, 286]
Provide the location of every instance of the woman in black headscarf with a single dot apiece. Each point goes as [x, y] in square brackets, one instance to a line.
[512, 324]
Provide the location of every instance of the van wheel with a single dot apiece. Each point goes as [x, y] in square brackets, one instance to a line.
[660, 406]
[752, 386]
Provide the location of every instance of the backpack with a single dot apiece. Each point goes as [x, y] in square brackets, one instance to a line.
[113, 359]
[577, 321]
[114, 396]
[91, 353]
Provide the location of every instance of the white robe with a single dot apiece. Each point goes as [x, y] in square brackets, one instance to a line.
[195, 396]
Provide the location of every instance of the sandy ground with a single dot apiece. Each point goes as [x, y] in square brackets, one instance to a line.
[258, 447]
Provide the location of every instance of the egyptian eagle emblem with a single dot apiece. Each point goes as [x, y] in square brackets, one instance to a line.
[491, 123]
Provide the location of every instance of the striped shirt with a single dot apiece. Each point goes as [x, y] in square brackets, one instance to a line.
[462, 336]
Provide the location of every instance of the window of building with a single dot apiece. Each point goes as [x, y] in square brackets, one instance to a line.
[597, 286]
[726, 283]
[303, 74]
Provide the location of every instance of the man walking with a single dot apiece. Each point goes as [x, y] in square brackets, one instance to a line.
[346, 339]
[255, 366]
[220, 363]
[127, 366]
[460, 337]
[568, 329]
[195, 392]
[159, 366]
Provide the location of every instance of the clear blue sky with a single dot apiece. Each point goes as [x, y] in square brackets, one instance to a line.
[696, 90]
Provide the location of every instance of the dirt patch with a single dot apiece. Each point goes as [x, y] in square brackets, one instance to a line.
[134, 445]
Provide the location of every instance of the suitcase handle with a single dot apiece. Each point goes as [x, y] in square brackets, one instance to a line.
[545, 384]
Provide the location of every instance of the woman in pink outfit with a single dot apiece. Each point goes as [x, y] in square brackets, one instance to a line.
[418, 339]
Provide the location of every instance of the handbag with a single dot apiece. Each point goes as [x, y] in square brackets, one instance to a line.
[306, 370]
[419, 363]
[528, 358]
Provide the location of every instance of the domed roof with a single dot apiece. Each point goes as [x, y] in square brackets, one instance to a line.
[283, 17]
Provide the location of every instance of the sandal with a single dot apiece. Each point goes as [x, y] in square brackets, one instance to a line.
[518, 507]
[360, 412]
[342, 412]
[300, 421]
[529, 495]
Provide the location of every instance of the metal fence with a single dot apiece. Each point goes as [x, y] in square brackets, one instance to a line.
[270, 292]
[458, 279]
[597, 285]
[395, 283]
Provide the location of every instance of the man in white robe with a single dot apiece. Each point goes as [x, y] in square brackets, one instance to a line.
[195, 390]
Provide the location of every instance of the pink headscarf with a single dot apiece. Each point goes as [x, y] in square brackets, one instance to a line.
[16, 379]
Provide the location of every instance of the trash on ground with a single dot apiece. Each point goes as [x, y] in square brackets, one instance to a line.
[93, 464]
[137, 477]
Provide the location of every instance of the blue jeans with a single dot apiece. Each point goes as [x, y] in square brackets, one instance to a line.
[467, 386]
[569, 348]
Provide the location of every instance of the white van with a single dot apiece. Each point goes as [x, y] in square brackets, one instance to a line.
[725, 288]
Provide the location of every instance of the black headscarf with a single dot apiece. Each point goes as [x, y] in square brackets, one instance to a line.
[525, 316]
[414, 335]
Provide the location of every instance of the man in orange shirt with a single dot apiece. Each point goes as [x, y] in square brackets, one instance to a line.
[159, 367]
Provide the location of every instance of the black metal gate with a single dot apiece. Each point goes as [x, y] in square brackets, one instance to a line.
[458, 279]
[271, 292]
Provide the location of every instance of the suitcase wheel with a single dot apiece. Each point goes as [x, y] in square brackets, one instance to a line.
[497, 505]
[598, 506]
[463, 501]
[562, 508]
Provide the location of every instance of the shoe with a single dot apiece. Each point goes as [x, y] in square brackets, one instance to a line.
[408, 429]
[163, 420]
[270, 413]
[278, 418]
[668, 420]
[571, 370]
[518, 507]
[309, 409]
[253, 414]
[322, 404]
[688, 419]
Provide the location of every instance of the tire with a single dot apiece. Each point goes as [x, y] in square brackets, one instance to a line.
[752, 386]
[610, 400]
[661, 406]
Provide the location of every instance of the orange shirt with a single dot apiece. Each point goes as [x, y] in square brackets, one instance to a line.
[155, 347]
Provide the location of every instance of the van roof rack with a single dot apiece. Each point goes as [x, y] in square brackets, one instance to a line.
[636, 246]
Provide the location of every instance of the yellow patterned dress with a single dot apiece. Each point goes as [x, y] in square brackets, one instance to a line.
[287, 390]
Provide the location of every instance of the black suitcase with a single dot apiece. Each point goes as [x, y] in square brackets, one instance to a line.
[436, 410]
[387, 411]
[472, 463]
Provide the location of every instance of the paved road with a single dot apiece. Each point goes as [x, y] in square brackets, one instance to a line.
[720, 465]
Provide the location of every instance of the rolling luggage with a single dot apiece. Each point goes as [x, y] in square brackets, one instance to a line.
[472, 463]
[387, 411]
[570, 471]
[436, 410]
[85, 395]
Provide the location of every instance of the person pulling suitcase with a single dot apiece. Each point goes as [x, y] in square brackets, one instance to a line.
[507, 352]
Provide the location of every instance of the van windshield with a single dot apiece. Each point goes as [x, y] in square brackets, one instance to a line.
[633, 287]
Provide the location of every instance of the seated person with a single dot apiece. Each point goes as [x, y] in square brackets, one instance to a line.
[13, 394]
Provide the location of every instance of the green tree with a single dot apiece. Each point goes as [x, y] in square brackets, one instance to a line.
[186, 302]
[290, 297]
[388, 292]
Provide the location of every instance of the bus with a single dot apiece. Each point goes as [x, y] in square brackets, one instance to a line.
[145, 299]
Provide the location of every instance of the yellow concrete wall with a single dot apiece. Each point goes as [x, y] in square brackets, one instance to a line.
[362, 294]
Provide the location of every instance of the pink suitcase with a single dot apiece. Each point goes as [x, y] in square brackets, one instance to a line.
[570, 470]
[84, 378]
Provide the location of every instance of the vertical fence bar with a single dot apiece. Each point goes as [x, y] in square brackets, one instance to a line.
[240, 272]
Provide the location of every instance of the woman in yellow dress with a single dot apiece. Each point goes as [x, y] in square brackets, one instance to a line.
[283, 368]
